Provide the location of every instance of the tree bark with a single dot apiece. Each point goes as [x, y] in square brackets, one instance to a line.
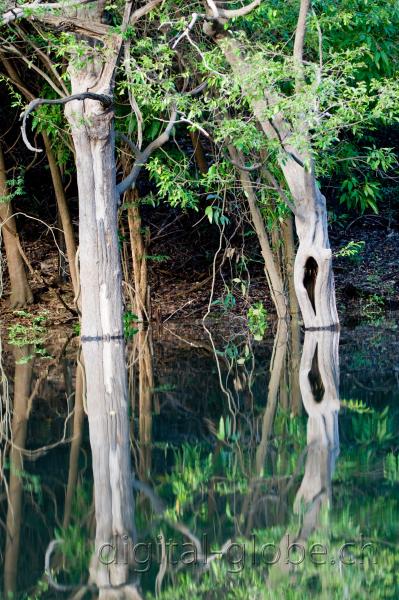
[21, 293]
[101, 322]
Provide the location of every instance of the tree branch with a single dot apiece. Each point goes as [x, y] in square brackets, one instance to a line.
[232, 14]
[21, 11]
[141, 12]
[300, 32]
[143, 156]
[106, 101]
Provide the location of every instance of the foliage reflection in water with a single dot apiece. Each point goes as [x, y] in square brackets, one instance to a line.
[241, 490]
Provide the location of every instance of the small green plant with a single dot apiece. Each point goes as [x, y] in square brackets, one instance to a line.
[129, 324]
[31, 331]
[391, 467]
[351, 249]
[257, 320]
[157, 257]
[15, 187]
[372, 308]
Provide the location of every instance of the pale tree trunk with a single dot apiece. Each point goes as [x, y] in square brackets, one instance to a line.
[21, 293]
[101, 322]
[313, 276]
[22, 385]
[319, 381]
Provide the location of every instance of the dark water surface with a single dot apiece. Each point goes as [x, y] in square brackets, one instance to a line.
[255, 476]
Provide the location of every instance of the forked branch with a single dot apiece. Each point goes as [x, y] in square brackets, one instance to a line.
[143, 156]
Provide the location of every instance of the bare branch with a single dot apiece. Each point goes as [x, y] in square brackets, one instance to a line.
[31, 65]
[22, 11]
[141, 12]
[43, 57]
[232, 14]
[105, 101]
[186, 32]
[143, 156]
[132, 99]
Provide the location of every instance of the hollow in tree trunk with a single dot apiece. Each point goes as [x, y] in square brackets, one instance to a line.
[313, 274]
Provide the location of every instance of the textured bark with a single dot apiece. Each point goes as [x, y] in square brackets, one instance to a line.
[21, 293]
[101, 321]
[22, 385]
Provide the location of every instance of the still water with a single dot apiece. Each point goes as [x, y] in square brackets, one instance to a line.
[261, 469]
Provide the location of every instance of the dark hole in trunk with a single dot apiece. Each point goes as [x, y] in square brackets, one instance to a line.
[309, 280]
[315, 380]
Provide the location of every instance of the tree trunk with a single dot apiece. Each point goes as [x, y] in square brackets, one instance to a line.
[21, 293]
[64, 213]
[287, 229]
[313, 276]
[272, 271]
[138, 250]
[101, 322]
[199, 152]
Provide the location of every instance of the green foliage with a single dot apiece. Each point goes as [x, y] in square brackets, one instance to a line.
[257, 320]
[351, 249]
[16, 188]
[31, 332]
[129, 324]
[372, 308]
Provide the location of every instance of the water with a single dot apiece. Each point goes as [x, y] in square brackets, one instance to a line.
[255, 478]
